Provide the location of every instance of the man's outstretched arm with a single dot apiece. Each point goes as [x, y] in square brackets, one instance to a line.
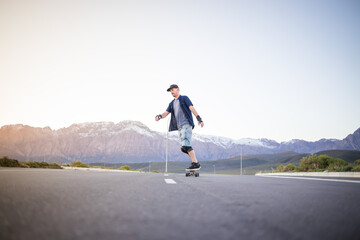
[200, 122]
[160, 116]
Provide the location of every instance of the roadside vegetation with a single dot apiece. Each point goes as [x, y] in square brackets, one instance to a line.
[7, 162]
[125, 167]
[321, 163]
[79, 164]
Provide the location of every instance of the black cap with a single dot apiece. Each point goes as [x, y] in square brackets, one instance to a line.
[172, 86]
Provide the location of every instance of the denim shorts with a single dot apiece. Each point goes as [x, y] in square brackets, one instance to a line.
[185, 133]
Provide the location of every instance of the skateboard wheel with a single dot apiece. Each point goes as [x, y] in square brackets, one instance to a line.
[187, 174]
[197, 175]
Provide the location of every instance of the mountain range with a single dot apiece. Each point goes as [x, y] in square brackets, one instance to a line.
[132, 141]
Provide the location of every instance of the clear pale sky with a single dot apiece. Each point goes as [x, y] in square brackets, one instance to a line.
[262, 69]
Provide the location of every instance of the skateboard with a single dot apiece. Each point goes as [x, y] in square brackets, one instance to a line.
[192, 173]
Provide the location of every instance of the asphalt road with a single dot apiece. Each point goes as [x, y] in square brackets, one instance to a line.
[69, 204]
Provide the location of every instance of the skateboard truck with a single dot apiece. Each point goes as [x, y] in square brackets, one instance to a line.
[191, 173]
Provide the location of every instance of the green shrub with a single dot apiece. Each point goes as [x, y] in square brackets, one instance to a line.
[7, 162]
[289, 168]
[323, 161]
[24, 165]
[33, 164]
[155, 171]
[356, 168]
[125, 167]
[55, 166]
[280, 168]
[305, 164]
[316, 163]
[357, 162]
[348, 168]
[79, 164]
[337, 165]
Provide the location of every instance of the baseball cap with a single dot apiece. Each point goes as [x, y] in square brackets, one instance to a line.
[172, 86]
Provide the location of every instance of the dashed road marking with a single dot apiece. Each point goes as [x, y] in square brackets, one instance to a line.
[316, 179]
[169, 181]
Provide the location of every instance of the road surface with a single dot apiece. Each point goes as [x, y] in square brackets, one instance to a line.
[69, 204]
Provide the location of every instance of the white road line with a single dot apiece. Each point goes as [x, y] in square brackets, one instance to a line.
[169, 181]
[316, 179]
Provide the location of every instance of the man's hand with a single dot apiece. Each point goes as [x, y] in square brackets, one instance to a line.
[200, 122]
[158, 117]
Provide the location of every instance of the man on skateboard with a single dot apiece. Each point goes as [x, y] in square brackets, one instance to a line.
[181, 119]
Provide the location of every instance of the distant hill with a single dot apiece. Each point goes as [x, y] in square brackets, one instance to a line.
[134, 142]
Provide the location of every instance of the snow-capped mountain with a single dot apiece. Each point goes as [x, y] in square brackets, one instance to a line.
[93, 129]
[132, 141]
[228, 142]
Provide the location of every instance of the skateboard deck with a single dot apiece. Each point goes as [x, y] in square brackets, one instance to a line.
[192, 172]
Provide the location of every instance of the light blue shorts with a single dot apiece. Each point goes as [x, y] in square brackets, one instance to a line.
[185, 134]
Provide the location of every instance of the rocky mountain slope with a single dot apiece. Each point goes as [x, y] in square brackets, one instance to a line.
[131, 141]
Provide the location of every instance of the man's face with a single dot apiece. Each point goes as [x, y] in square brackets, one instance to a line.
[174, 92]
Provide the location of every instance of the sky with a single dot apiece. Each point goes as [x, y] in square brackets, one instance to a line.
[276, 69]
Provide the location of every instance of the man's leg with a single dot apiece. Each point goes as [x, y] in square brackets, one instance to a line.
[185, 137]
[190, 152]
[192, 156]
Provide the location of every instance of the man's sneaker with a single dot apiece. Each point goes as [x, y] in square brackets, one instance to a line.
[194, 166]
